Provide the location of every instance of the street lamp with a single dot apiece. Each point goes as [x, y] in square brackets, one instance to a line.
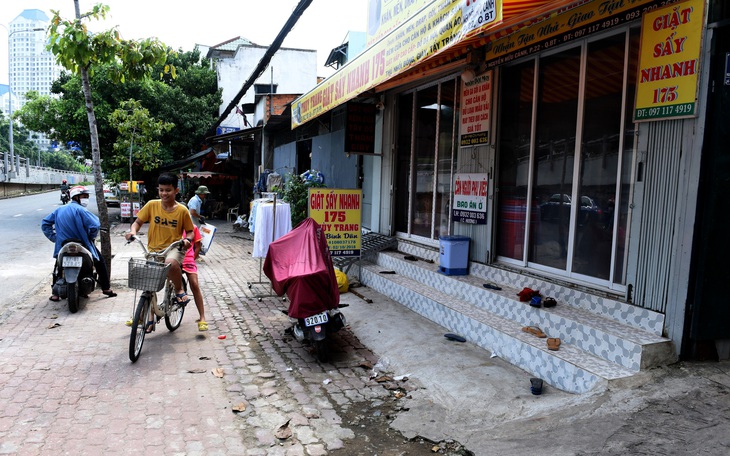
[10, 98]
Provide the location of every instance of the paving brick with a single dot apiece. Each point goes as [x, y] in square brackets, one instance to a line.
[49, 386]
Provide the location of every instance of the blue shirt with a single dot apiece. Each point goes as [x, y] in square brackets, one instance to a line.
[71, 221]
[196, 203]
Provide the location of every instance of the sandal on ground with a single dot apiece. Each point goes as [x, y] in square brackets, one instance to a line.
[492, 286]
[535, 301]
[202, 326]
[549, 302]
[535, 331]
[553, 343]
[54, 298]
[150, 327]
[109, 293]
[536, 386]
[182, 299]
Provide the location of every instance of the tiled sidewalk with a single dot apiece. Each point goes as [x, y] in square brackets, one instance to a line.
[67, 385]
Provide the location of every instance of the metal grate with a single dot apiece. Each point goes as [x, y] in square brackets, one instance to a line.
[656, 242]
[371, 244]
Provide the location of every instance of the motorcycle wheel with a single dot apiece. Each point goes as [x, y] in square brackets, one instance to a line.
[72, 291]
[173, 312]
[320, 350]
[136, 338]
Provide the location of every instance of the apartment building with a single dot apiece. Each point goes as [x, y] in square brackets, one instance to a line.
[31, 66]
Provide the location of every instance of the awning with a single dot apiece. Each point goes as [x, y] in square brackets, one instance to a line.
[207, 175]
[432, 37]
[247, 134]
[183, 162]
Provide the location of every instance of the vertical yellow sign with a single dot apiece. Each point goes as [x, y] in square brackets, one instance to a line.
[669, 61]
[339, 211]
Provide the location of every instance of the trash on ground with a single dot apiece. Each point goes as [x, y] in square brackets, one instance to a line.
[198, 370]
[284, 431]
[239, 408]
[218, 372]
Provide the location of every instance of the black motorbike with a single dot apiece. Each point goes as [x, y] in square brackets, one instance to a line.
[74, 276]
[65, 196]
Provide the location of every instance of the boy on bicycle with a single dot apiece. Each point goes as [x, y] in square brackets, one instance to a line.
[168, 220]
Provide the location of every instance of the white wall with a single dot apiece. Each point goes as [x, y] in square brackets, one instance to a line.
[295, 72]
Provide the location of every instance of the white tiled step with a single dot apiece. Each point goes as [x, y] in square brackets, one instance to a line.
[606, 338]
[617, 310]
[570, 368]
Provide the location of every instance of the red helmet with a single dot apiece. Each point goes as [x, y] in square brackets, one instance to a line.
[63, 181]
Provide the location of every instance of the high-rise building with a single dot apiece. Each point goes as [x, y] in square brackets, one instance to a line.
[5, 100]
[32, 67]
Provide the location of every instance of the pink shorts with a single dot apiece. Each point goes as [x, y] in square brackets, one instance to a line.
[190, 267]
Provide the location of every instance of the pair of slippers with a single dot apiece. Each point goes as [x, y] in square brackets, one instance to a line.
[537, 301]
[553, 343]
[107, 293]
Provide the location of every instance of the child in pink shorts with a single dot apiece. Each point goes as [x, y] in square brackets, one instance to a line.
[191, 270]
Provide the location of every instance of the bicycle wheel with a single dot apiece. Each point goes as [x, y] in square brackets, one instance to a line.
[173, 311]
[136, 338]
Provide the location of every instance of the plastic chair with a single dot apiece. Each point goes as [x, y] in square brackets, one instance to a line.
[232, 214]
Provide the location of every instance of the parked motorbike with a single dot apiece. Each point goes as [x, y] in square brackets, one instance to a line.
[74, 276]
[65, 197]
[299, 264]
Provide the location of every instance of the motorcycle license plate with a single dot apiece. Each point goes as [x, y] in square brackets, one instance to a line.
[318, 319]
[72, 262]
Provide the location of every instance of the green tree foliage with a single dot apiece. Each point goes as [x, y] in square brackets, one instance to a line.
[22, 145]
[189, 101]
[82, 53]
[296, 193]
[138, 139]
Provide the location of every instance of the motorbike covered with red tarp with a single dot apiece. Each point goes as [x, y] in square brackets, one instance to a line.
[299, 264]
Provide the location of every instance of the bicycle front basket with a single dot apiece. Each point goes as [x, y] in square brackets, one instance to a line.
[147, 275]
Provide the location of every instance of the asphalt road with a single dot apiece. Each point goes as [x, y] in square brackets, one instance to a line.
[27, 256]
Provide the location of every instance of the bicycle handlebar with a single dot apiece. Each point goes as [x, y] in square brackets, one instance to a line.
[160, 254]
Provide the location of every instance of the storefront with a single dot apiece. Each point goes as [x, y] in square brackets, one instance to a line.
[588, 186]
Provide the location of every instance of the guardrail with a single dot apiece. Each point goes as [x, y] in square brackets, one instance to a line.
[22, 172]
[20, 177]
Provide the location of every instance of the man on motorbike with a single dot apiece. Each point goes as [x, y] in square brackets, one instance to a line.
[64, 191]
[168, 220]
[75, 222]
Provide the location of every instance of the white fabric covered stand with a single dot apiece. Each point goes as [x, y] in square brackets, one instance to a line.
[267, 229]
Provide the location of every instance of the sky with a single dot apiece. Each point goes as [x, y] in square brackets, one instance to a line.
[322, 27]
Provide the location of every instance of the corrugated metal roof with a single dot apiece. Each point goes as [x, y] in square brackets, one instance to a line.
[232, 44]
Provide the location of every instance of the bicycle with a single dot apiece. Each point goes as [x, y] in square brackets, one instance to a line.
[149, 275]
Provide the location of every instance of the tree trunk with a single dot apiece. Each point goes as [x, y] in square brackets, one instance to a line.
[106, 245]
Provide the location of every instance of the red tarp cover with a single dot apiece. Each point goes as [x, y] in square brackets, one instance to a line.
[299, 264]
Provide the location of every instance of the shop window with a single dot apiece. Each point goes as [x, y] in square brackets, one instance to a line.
[424, 160]
[564, 152]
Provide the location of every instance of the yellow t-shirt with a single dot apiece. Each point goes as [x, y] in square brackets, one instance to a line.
[165, 227]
